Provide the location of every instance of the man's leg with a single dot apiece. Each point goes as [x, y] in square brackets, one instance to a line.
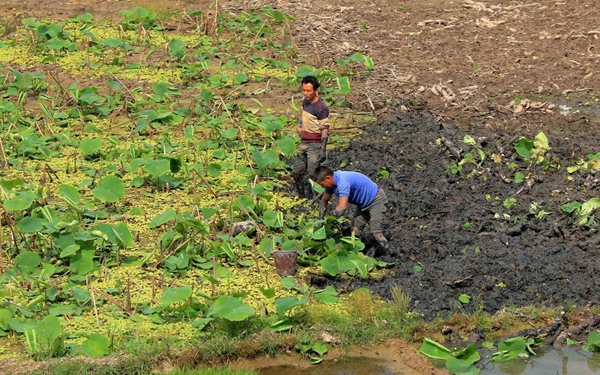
[377, 211]
[312, 163]
[360, 221]
[299, 170]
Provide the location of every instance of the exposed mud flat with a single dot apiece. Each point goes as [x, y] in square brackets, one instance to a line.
[457, 229]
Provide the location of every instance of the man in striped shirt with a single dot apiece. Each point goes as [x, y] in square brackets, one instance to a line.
[313, 128]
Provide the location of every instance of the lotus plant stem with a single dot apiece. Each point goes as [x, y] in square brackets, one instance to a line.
[240, 134]
[128, 305]
[4, 159]
[114, 301]
[207, 185]
[171, 253]
[91, 288]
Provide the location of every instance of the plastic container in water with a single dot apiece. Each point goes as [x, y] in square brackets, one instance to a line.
[285, 262]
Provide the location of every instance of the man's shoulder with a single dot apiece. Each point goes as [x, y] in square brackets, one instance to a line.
[317, 107]
[321, 103]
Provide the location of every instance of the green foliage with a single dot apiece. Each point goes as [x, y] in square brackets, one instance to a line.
[110, 189]
[593, 341]
[231, 308]
[514, 347]
[96, 346]
[133, 126]
[90, 146]
[45, 339]
[533, 151]
[458, 361]
[176, 295]
[139, 17]
[22, 201]
[583, 213]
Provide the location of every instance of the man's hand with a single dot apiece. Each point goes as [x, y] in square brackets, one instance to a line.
[322, 155]
[338, 212]
[322, 210]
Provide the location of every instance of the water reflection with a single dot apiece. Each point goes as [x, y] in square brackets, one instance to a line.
[566, 361]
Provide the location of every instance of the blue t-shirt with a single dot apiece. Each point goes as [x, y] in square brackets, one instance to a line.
[359, 188]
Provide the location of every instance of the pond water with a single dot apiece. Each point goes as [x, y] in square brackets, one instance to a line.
[354, 366]
[566, 361]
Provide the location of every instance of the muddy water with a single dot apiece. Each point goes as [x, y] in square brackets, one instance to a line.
[580, 105]
[565, 361]
[354, 366]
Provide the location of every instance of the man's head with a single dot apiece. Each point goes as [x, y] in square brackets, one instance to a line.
[324, 177]
[310, 88]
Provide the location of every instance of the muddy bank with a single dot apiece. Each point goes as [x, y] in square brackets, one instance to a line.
[454, 234]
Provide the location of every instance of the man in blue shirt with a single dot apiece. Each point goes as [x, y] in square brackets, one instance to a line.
[354, 188]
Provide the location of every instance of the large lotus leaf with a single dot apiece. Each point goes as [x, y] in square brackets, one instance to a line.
[335, 263]
[95, 346]
[266, 159]
[20, 202]
[123, 233]
[214, 169]
[69, 194]
[229, 133]
[31, 224]
[288, 282]
[49, 329]
[327, 295]
[246, 202]
[319, 234]
[468, 354]
[157, 168]
[176, 48]
[287, 303]
[176, 295]
[461, 367]
[91, 145]
[594, 341]
[343, 85]
[286, 146]
[21, 324]
[27, 261]
[165, 217]
[110, 189]
[435, 350]
[510, 349]
[231, 308]
[83, 261]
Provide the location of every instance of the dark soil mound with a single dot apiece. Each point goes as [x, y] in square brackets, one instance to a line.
[460, 229]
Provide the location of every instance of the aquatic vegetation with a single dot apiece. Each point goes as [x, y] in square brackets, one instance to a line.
[124, 167]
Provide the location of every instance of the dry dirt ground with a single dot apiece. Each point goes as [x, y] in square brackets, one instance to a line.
[496, 69]
[467, 60]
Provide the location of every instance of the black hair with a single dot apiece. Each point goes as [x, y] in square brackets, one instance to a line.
[322, 172]
[312, 80]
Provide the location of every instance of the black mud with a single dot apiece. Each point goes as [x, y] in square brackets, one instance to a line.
[454, 228]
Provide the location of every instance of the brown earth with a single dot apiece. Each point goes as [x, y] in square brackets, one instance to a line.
[467, 60]
[497, 69]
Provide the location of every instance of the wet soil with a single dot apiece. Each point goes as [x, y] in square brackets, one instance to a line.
[454, 226]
